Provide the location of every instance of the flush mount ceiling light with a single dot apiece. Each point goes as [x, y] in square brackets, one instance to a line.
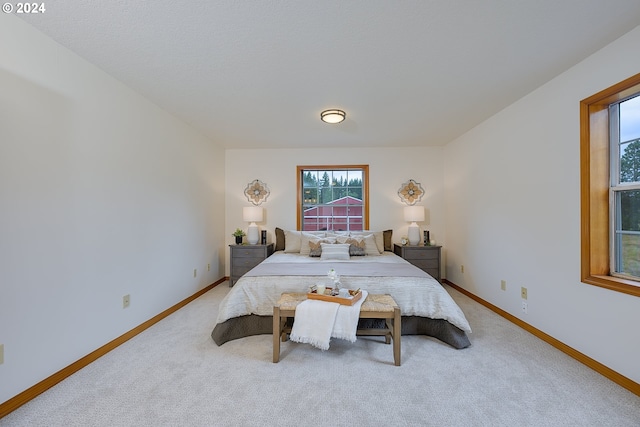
[333, 116]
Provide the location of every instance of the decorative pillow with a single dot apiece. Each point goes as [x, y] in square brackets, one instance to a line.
[306, 237]
[356, 247]
[335, 251]
[279, 239]
[378, 238]
[315, 248]
[386, 237]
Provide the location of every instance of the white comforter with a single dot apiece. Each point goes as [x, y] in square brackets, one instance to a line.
[416, 296]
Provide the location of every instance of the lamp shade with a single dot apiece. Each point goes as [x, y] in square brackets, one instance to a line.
[414, 213]
[252, 214]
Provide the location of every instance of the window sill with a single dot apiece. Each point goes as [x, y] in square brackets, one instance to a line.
[617, 284]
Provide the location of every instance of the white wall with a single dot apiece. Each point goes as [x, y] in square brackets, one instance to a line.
[512, 190]
[388, 169]
[103, 194]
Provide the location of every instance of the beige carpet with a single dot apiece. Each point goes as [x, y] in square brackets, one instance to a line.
[173, 374]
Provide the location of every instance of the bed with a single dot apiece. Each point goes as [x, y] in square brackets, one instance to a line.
[427, 308]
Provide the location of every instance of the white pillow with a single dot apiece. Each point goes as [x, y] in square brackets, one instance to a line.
[292, 241]
[335, 251]
[338, 233]
[341, 239]
[378, 236]
[370, 246]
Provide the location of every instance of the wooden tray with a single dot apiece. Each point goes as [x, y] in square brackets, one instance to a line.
[357, 294]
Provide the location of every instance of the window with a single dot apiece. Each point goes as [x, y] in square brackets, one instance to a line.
[610, 188]
[333, 197]
[624, 198]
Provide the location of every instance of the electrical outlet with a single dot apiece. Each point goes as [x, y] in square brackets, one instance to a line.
[1, 354]
[461, 268]
[523, 292]
[208, 267]
[195, 272]
[525, 307]
[503, 285]
[126, 300]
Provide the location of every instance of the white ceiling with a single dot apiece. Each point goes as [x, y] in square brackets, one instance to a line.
[257, 74]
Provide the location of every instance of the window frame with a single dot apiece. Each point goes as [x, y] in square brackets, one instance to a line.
[616, 189]
[365, 189]
[595, 168]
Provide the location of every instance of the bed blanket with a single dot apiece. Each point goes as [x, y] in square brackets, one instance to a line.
[415, 292]
[353, 268]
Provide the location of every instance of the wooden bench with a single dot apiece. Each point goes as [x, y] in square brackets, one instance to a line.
[374, 307]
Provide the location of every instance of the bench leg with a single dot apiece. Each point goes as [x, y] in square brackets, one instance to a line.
[276, 334]
[397, 328]
[283, 322]
[388, 335]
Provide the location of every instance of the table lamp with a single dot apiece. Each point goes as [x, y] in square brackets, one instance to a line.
[414, 214]
[252, 214]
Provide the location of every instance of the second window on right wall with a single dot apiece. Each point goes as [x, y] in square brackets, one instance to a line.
[610, 187]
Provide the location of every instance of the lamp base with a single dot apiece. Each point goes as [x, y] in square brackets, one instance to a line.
[414, 234]
[253, 234]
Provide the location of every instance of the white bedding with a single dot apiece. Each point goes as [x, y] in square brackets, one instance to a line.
[416, 295]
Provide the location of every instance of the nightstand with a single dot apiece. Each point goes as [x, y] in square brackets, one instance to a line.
[427, 258]
[245, 257]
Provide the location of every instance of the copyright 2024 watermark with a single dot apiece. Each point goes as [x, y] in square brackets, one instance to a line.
[24, 8]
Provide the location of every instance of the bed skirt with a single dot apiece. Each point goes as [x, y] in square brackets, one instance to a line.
[244, 326]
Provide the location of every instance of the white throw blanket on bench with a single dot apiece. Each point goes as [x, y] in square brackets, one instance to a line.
[316, 322]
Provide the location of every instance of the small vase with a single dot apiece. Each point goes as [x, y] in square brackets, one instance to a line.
[238, 240]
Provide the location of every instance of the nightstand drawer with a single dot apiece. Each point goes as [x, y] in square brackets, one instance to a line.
[425, 264]
[423, 254]
[249, 252]
[246, 262]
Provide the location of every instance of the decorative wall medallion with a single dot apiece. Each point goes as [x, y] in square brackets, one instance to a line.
[410, 192]
[257, 192]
